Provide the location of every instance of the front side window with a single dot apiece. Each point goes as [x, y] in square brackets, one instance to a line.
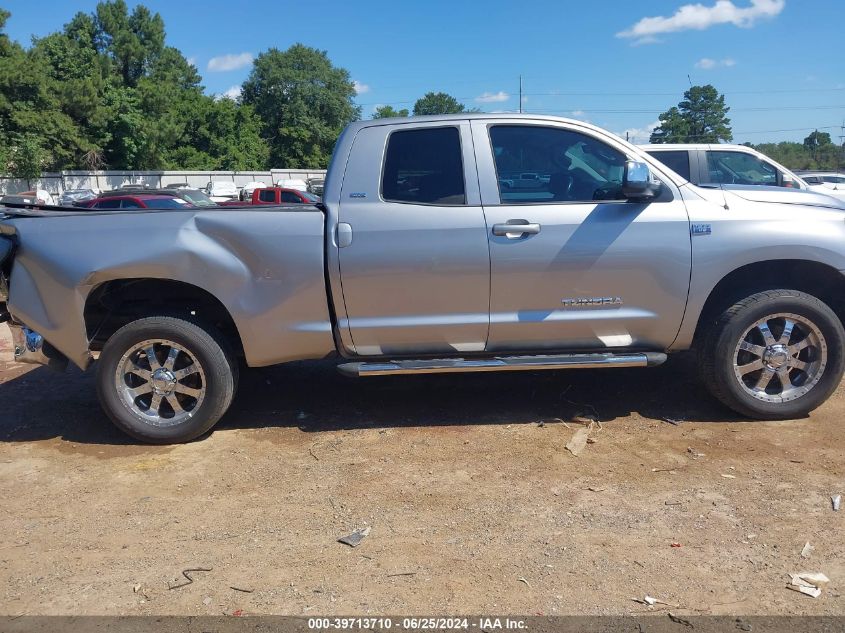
[424, 166]
[291, 198]
[739, 168]
[677, 161]
[129, 204]
[837, 180]
[107, 204]
[540, 164]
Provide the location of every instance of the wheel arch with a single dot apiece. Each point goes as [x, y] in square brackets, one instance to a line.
[114, 303]
[814, 278]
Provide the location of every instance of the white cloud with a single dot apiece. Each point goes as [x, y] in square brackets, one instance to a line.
[359, 87]
[699, 17]
[705, 63]
[232, 93]
[233, 61]
[639, 135]
[192, 61]
[493, 97]
[577, 113]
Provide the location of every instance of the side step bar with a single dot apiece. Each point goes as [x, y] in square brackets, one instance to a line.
[503, 363]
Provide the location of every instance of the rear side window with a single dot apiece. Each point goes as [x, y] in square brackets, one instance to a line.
[267, 196]
[129, 204]
[424, 166]
[739, 168]
[677, 161]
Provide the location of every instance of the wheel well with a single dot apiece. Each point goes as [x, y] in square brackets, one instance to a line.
[113, 304]
[816, 279]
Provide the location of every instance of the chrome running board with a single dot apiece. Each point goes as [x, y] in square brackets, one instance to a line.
[502, 363]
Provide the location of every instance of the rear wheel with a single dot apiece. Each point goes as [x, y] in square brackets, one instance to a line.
[164, 379]
[777, 354]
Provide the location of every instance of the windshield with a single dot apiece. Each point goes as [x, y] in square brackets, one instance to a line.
[196, 197]
[310, 196]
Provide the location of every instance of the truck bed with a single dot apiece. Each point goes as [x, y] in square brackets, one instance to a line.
[265, 265]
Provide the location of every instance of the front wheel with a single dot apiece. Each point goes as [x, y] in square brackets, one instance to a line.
[164, 379]
[774, 355]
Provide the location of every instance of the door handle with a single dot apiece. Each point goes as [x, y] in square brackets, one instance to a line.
[516, 228]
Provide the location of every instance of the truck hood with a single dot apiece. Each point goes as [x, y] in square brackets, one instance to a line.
[782, 195]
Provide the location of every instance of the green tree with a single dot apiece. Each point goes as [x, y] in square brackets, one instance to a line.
[438, 103]
[133, 42]
[26, 158]
[387, 112]
[700, 117]
[303, 101]
[818, 144]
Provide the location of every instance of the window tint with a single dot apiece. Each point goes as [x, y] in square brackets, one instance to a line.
[107, 204]
[739, 168]
[834, 179]
[166, 203]
[268, 195]
[813, 180]
[129, 204]
[539, 164]
[424, 166]
[291, 198]
[677, 161]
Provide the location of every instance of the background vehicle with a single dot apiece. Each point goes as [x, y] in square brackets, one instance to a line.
[195, 197]
[72, 197]
[420, 260]
[819, 181]
[293, 183]
[248, 188]
[278, 196]
[723, 164]
[222, 190]
[315, 186]
[137, 201]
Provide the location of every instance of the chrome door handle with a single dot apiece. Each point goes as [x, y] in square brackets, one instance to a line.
[516, 228]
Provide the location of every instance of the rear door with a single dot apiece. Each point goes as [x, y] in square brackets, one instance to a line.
[414, 259]
[573, 264]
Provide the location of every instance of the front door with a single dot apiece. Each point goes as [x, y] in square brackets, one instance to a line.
[574, 266]
[414, 260]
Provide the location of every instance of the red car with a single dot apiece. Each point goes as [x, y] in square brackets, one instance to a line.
[138, 201]
[276, 195]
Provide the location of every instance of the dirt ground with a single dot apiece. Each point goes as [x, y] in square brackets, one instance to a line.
[473, 506]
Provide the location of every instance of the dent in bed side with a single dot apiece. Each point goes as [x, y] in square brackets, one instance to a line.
[265, 267]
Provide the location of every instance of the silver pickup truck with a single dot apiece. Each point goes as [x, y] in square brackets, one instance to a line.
[443, 244]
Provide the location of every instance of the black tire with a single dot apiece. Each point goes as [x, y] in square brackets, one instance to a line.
[721, 363]
[200, 344]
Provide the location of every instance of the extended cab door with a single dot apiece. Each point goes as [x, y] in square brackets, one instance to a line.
[573, 264]
[414, 261]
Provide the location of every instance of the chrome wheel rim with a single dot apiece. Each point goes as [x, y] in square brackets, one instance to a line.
[161, 382]
[780, 358]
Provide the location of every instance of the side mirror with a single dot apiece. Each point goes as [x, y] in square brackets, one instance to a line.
[638, 183]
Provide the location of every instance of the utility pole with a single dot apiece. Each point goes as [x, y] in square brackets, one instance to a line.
[520, 94]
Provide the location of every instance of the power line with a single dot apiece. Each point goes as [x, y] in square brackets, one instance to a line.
[635, 94]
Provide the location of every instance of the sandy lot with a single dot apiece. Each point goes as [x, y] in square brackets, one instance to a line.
[474, 506]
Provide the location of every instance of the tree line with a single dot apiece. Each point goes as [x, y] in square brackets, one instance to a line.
[702, 117]
[108, 92]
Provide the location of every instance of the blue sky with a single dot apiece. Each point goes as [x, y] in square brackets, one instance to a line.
[617, 64]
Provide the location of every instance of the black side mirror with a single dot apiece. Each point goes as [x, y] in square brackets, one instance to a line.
[638, 183]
